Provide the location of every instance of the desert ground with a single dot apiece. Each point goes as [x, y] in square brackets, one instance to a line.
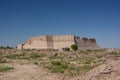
[101, 64]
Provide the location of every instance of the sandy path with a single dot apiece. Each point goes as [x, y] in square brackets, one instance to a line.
[28, 72]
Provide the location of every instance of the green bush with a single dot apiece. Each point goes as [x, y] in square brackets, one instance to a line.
[35, 56]
[5, 68]
[73, 70]
[16, 56]
[56, 63]
[13, 56]
[35, 63]
[3, 61]
[57, 67]
[66, 49]
[7, 47]
[86, 60]
[74, 47]
[86, 67]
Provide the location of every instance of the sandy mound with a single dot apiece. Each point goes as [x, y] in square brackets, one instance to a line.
[108, 71]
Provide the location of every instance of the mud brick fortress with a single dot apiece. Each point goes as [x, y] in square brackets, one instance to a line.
[58, 42]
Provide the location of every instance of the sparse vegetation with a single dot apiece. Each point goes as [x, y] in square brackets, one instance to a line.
[86, 60]
[57, 67]
[66, 49]
[35, 56]
[24, 56]
[3, 60]
[72, 70]
[70, 63]
[6, 47]
[5, 68]
[86, 67]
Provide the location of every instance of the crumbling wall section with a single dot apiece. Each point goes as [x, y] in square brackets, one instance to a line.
[86, 43]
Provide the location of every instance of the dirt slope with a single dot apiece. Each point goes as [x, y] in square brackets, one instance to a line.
[108, 71]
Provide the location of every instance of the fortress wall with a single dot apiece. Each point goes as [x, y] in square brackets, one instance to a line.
[50, 45]
[36, 43]
[58, 42]
[63, 41]
[59, 45]
[20, 46]
[27, 47]
[49, 40]
[39, 44]
[39, 38]
[63, 38]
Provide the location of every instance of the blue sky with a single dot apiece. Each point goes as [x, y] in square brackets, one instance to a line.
[21, 19]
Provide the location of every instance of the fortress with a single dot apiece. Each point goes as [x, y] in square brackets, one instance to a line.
[58, 42]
